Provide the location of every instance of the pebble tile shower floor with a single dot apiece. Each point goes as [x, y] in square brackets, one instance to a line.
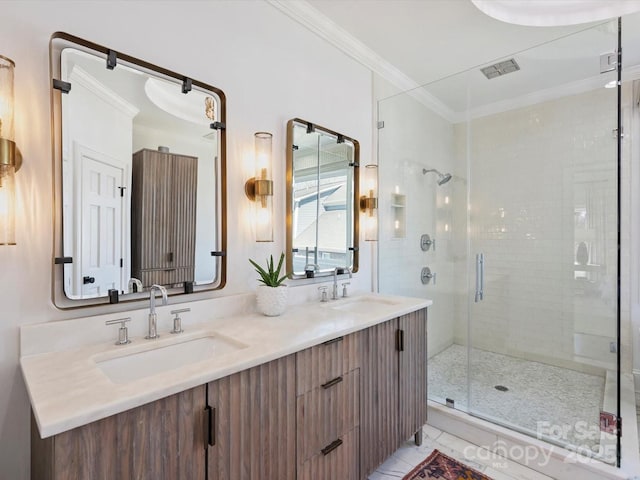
[539, 397]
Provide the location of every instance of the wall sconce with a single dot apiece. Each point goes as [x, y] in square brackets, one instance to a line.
[10, 158]
[259, 189]
[369, 202]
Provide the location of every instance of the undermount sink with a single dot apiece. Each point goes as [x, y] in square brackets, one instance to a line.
[364, 304]
[135, 366]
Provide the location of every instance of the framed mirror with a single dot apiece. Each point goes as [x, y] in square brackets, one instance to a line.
[322, 195]
[139, 169]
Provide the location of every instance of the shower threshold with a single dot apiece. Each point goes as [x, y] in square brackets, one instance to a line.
[549, 459]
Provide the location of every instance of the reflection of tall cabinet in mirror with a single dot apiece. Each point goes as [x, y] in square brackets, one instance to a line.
[127, 211]
[163, 217]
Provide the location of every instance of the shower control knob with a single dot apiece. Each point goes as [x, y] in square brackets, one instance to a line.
[426, 242]
[426, 276]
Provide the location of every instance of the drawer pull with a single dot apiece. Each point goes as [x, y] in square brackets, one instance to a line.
[210, 425]
[331, 383]
[331, 447]
[334, 340]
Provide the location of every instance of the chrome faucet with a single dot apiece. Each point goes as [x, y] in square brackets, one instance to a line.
[153, 318]
[134, 282]
[334, 292]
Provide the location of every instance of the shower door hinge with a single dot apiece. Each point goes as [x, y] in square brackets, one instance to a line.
[608, 62]
[613, 347]
[610, 423]
[380, 125]
[614, 132]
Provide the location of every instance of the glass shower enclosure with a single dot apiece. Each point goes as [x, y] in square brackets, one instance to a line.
[503, 181]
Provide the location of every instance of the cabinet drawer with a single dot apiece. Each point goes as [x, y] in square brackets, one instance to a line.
[339, 460]
[326, 413]
[322, 363]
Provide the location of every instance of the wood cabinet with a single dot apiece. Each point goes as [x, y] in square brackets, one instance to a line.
[254, 423]
[334, 411]
[163, 217]
[163, 440]
[394, 387]
[328, 410]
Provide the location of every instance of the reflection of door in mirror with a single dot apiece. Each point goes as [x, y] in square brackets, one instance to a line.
[163, 217]
[322, 201]
[101, 221]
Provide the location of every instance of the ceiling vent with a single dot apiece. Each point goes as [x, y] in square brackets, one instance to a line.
[500, 68]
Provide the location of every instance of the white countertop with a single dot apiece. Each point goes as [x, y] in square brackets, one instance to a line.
[67, 389]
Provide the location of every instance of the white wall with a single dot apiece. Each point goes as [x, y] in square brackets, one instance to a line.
[271, 70]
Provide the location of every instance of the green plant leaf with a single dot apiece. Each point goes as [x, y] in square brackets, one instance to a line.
[270, 277]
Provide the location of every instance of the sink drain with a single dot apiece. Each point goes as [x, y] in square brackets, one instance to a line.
[502, 388]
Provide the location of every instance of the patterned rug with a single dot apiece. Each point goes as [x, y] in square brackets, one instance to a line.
[438, 466]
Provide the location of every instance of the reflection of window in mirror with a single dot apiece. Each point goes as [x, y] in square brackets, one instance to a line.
[140, 187]
[322, 218]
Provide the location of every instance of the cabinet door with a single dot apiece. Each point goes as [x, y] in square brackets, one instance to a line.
[254, 423]
[182, 223]
[150, 213]
[412, 375]
[379, 395]
[163, 440]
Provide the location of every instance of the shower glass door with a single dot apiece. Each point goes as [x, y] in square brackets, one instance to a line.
[524, 235]
[541, 149]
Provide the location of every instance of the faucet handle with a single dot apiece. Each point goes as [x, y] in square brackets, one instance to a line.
[323, 294]
[123, 331]
[344, 289]
[177, 321]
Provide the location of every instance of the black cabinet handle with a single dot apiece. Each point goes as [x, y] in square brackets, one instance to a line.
[334, 340]
[400, 340]
[88, 279]
[331, 383]
[210, 425]
[331, 447]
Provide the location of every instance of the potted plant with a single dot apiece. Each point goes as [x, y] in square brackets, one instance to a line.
[271, 296]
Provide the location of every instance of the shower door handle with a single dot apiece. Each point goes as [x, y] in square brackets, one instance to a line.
[479, 277]
[482, 276]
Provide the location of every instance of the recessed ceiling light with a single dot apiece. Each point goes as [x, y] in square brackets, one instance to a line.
[545, 13]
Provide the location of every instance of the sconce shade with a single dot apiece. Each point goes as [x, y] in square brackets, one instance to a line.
[259, 189]
[6, 98]
[10, 159]
[369, 202]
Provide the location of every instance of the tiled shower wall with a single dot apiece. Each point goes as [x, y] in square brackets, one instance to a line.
[543, 179]
[414, 138]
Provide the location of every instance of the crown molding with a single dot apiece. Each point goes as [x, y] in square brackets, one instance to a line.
[81, 77]
[546, 95]
[304, 13]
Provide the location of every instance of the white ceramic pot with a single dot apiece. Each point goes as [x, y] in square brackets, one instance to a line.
[272, 301]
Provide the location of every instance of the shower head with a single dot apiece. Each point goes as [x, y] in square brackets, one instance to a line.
[442, 177]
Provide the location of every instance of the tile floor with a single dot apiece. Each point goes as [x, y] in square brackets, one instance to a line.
[539, 396]
[492, 465]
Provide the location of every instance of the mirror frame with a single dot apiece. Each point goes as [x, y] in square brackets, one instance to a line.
[59, 297]
[356, 196]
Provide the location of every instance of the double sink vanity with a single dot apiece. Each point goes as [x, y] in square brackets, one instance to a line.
[327, 390]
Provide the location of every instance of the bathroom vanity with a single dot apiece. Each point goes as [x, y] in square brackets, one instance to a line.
[324, 391]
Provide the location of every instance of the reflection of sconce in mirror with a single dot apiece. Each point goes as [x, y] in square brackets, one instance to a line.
[259, 189]
[369, 202]
[10, 158]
